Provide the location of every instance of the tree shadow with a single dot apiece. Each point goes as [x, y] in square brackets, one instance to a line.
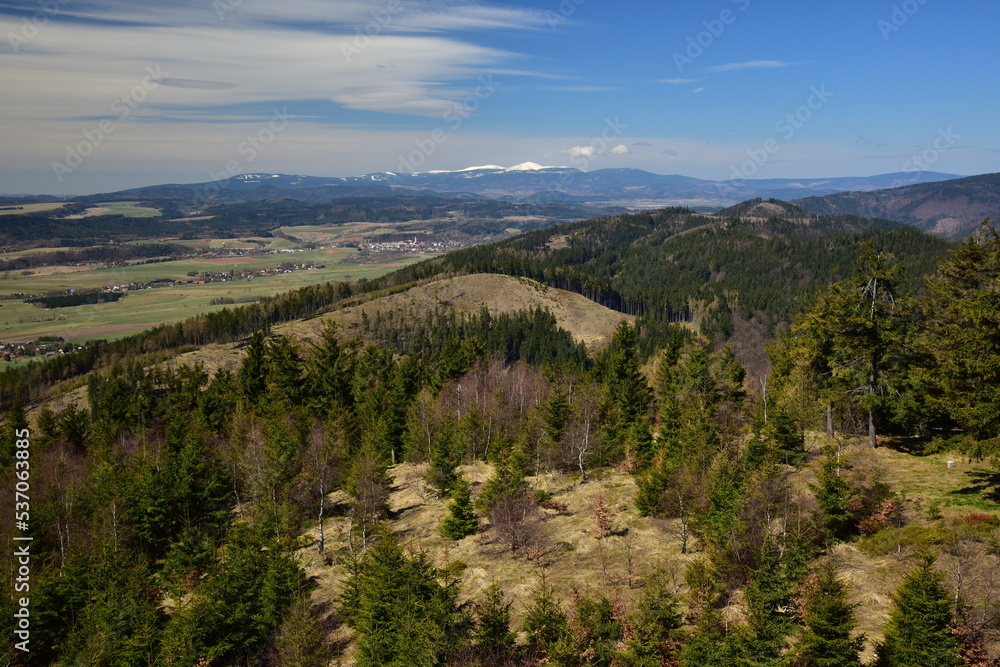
[397, 513]
[983, 484]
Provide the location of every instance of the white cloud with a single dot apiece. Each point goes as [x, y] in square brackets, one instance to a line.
[581, 151]
[621, 149]
[85, 67]
[676, 82]
[750, 64]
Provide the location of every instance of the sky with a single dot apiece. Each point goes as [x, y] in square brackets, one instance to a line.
[102, 95]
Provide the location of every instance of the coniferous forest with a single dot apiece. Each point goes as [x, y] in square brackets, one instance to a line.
[173, 505]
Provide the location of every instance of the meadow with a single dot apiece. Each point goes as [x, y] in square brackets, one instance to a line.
[144, 308]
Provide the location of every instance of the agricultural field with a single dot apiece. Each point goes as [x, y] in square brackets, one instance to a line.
[129, 209]
[22, 209]
[144, 308]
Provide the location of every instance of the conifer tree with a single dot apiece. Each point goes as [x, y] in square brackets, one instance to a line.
[825, 640]
[916, 634]
[833, 494]
[405, 611]
[494, 641]
[710, 644]
[768, 599]
[252, 376]
[594, 632]
[963, 332]
[545, 623]
[668, 388]
[858, 325]
[462, 520]
[626, 393]
[654, 627]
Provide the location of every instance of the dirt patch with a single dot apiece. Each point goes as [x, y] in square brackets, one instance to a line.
[90, 212]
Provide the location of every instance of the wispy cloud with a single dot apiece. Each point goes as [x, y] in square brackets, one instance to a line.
[584, 89]
[676, 82]
[750, 64]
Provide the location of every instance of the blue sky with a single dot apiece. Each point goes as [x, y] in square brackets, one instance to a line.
[100, 95]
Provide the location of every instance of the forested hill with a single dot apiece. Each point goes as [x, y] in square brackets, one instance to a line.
[950, 209]
[676, 265]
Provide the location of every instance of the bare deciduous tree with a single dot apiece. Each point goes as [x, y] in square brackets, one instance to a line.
[516, 520]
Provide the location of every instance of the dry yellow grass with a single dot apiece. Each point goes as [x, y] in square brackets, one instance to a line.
[575, 560]
[571, 557]
[587, 321]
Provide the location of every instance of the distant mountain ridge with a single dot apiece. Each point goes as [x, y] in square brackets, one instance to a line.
[951, 209]
[527, 183]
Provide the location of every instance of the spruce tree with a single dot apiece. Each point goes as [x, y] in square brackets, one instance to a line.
[493, 640]
[858, 326]
[595, 631]
[710, 644]
[462, 520]
[833, 494]
[963, 332]
[405, 611]
[767, 595]
[626, 393]
[655, 627]
[252, 376]
[825, 640]
[916, 634]
[545, 623]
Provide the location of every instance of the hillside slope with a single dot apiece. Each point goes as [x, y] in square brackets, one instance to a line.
[588, 322]
[949, 209]
[677, 265]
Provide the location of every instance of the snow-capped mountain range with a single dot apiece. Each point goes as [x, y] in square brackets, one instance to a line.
[532, 182]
